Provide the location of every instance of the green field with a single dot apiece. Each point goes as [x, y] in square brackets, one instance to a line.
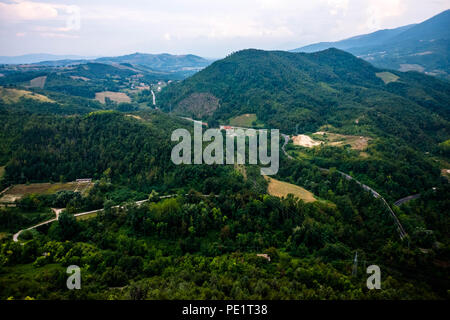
[387, 77]
[245, 120]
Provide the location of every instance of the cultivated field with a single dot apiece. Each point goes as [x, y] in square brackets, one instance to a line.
[20, 190]
[387, 77]
[38, 82]
[114, 96]
[14, 95]
[282, 189]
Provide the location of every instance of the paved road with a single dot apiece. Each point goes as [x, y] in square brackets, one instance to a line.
[286, 140]
[400, 229]
[58, 211]
[406, 199]
[154, 98]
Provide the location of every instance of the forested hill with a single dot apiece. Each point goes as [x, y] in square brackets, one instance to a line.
[302, 92]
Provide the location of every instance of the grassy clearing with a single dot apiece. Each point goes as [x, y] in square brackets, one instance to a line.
[8, 95]
[282, 189]
[118, 97]
[20, 190]
[387, 77]
[87, 216]
[2, 172]
[245, 120]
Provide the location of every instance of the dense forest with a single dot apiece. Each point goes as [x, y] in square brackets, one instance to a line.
[201, 247]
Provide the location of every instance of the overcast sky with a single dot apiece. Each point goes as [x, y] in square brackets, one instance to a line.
[209, 28]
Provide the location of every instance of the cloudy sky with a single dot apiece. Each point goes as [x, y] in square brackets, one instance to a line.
[210, 28]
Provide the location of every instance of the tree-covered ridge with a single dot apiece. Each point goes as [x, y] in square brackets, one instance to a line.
[130, 150]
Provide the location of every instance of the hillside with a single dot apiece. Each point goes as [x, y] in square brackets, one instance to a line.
[299, 92]
[162, 62]
[422, 47]
[403, 116]
[371, 39]
[165, 65]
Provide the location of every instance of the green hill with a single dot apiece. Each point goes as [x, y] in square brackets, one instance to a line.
[299, 92]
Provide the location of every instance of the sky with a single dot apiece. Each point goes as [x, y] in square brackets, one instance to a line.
[209, 28]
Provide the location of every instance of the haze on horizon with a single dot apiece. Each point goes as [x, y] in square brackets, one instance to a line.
[202, 27]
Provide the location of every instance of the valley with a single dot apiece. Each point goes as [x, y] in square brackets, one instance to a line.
[87, 176]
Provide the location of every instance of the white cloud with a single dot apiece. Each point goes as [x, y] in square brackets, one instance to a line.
[206, 27]
[379, 10]
[27, 10]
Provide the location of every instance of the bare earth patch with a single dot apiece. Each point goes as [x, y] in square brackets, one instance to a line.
[305, 141]
[282, 189]
[335, 139]
[114, 96]
[411, 67]
[199, 105]
[38, 82]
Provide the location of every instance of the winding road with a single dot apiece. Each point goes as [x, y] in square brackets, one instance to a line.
[58, 211]
[400, 229]
[406, 199]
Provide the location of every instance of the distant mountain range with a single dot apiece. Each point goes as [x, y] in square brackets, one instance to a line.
[38, 57]
[165, 63]
[422, 47]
